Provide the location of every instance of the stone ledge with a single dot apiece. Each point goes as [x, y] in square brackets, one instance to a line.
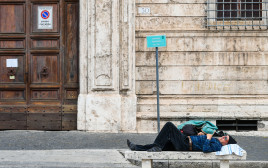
[138, 155]
[198, 115]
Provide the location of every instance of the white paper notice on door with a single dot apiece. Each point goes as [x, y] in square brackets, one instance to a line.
[12, 62]
[45, 17]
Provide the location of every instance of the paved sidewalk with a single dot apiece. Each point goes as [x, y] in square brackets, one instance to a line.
[60, 149]
[256, 146]
[73, 158]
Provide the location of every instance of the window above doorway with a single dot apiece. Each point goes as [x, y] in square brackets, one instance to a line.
[237, 14]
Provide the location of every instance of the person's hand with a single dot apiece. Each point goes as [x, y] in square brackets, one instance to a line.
[209, 136]
[200, 133]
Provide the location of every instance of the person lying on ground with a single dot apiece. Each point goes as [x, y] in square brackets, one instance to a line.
[171, 139]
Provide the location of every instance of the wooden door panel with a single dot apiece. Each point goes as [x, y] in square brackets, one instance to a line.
[44, 125]
[44, 109]
[71, 62]
[10, 109]
[55, 16]
[12, 17]
[45, 69]
[42, 95]
[71, 94]
[14, 95]
[71, 56]
[44, 118]
[17, 72]
[12, 43]
[45, 44]
[13, 117]
[13, 125]
[69, 122]
[69, 117]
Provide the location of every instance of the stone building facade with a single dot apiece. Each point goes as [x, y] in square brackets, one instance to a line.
[210, 70]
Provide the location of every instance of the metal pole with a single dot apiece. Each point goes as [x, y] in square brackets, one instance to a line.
[157, 86]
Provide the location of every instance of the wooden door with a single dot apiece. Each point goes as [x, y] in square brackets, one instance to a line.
[39, 64]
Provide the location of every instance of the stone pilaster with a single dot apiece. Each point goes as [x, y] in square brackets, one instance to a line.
[107, 100]
[127, 65]
[83, 64]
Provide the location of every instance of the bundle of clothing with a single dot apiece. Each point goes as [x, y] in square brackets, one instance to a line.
[193, 127]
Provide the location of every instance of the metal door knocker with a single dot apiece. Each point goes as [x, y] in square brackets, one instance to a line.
[11, 71]
[44, 72]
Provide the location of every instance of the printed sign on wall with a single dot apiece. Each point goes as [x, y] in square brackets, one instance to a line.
[45, 17]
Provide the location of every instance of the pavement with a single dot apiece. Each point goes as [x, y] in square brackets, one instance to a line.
[76, 149]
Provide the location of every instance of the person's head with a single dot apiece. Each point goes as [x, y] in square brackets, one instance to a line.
[227, 139]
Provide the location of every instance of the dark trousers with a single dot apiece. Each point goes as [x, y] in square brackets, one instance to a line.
[169, 139]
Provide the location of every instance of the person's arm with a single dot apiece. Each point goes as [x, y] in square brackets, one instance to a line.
[210, 145]
[201, 133]
[209, 136]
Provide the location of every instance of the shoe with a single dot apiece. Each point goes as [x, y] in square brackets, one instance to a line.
[131, 145]
[155, 149]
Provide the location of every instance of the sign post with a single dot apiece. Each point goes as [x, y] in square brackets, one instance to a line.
[157, 41]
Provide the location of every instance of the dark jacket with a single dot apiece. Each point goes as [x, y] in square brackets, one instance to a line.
[201, 143]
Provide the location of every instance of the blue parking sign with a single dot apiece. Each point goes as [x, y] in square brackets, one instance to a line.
[156, 41]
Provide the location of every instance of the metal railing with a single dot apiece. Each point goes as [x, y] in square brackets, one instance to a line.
[237, 14]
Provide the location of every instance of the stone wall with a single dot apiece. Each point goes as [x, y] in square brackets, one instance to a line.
[204, 74]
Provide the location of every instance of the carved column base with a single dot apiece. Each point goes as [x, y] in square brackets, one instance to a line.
[129, 108]
[106, 113]
[103, 113]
